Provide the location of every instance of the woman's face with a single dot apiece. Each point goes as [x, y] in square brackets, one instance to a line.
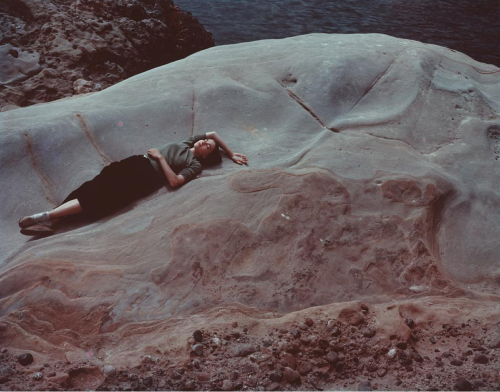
[204, 147]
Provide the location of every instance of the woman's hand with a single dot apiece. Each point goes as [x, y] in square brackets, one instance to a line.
[240, 159]
[155, 154]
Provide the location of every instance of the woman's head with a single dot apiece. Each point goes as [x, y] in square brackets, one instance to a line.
[207, 151]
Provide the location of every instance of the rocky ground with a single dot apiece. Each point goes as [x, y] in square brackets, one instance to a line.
[55, 49]
[312, 354]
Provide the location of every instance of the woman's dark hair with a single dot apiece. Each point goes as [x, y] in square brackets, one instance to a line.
[213, 159]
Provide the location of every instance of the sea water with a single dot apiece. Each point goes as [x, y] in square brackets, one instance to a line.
[469, 26]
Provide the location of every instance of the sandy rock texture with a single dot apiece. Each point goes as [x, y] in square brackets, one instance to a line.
[58, 48]
[358, 249]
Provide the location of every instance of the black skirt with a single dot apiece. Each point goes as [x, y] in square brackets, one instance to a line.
[118, 184]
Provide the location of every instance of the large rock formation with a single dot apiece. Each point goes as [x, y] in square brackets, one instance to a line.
[58, 48]
[373, 177]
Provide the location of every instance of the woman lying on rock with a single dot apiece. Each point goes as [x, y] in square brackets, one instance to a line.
[121, 183]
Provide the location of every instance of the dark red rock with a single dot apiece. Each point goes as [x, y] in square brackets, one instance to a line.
[332, 357]
[94, 43]
[402, 345]
[290, 360]
[456, 362]
[309, 322]
[462, 385]
[304, 368]
[336, 331]
[368, 332]
[25, 359]
[291, 376]
[276, 376]
[481, 359]
[197, 335]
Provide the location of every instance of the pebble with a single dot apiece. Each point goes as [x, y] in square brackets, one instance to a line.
[295, 333]
[274, 386]
[216, 341]
[410, 323]
[227, 385]
[462, 385]
[197, 335]
[242, 350]
[402, 345]
[305, 341]
[291, 376]
[148, 381]
[481, 358]
[357, 319]
[495, 342]
[364, 307]
[372, 367]
[276, 376]
[293, 348]
[235, 324]
[109, 371]
[236, 334]
[290, 359]
[417, 358]
[283, 331]
[392, 354]
[203, 376]
[382, 372]
[439, 364]
[368, 332]
[303, 327]
[304, 368]
[365, 386]
[309, 322]
[197, 349]
[25, 359]
[332, 357]
[4, 379]
[37, 376]
[335, 331]
[433, 340]
[456, 362]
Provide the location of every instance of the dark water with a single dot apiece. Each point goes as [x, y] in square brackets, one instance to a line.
[469, 26]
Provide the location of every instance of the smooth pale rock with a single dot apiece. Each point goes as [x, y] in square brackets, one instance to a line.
[373, 175]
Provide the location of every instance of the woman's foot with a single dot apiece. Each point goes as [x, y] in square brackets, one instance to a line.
[30, 220]
[26, 221]
[37, 229]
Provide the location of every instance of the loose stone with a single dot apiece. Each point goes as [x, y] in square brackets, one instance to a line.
[309, 322]
[37, 376]
[25, 359]
[235, 324]
[402, 345]
[197, 349]
[332, 357]
[109, 371]
[227, 385]
[481, 358]
[304, 368]
[197, 335]
[368, 332]
[291, 376]
[295, 333]
[410, 323]
[276, 376]
[462, 385]
[365, 386]
[335, 331]
[456, 362]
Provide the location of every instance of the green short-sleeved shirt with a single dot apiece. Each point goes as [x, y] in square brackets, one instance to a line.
[180, 158]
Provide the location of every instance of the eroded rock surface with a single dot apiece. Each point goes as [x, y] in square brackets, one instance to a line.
[55, 49]
[361, 238]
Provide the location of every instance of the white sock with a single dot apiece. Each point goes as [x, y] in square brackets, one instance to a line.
[42, 216]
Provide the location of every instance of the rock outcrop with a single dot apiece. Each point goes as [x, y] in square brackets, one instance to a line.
[359, 248]
[58, 48]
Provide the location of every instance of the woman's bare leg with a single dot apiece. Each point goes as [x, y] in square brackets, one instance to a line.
[69, 208]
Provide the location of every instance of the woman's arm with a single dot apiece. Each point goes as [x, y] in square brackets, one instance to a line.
[240, 159]
[172, 178]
